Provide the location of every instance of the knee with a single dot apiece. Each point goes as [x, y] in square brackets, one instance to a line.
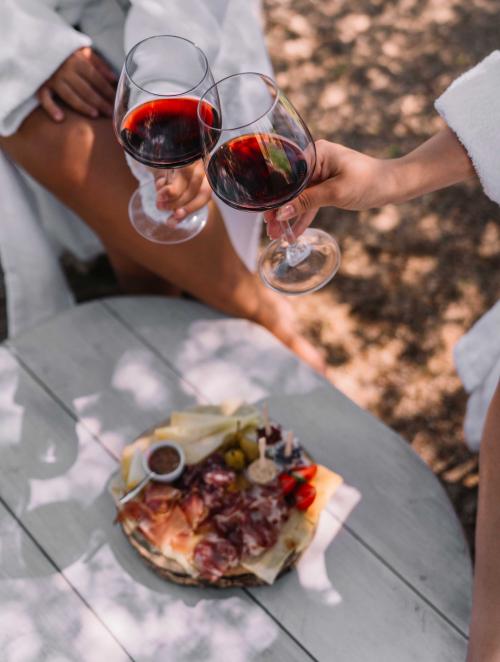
[77, 149]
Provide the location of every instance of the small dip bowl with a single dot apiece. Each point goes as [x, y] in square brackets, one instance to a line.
[164, 461]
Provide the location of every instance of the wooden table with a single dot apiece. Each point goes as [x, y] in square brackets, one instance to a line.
[75, 390]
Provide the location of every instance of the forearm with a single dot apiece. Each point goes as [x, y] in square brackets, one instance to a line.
[485, 624]
[439, 162]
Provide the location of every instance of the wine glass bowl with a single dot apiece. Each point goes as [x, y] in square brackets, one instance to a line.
[259, 156]
[156, 122]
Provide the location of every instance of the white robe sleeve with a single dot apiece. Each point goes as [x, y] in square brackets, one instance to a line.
[477, 358]
[471, 108]
[35, 41]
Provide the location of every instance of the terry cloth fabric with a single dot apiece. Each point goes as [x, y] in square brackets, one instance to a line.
[477, 357]
[471, 108]
[37, 36]
[35, 285]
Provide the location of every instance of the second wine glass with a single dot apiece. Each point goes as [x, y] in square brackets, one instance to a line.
[155, 121]
[259, 156]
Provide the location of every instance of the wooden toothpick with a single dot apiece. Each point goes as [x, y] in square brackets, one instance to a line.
[289, 444]
[265, 413]
[262, 449]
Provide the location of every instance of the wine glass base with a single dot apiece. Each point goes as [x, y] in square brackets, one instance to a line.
[318, 267]
[159, 226]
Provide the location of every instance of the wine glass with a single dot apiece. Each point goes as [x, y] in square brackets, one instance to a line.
[259, 156]
[155, 120]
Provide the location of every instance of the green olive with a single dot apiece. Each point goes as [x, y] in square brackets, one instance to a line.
[235, 459]
[250, 448]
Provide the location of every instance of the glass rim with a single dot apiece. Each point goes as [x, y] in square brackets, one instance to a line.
[162, 36]
[241, 126]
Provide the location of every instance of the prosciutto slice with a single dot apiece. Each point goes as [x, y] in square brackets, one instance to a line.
[171, 530]
[159, 497]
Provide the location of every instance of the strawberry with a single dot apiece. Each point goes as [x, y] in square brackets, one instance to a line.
[304, 496]
[288, 483]
[304, 474]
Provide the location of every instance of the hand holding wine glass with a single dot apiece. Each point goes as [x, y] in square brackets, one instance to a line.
[188, 192]
[156, 123]
[352, 180]
[259, 157]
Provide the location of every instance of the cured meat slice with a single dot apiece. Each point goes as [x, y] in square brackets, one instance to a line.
[160, 497]
[134, 510]
[219, 477]
[170, 529]
[213, 556]
[195, 509]
[251, 520]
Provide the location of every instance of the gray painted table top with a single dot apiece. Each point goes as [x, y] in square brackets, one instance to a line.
[392, 582]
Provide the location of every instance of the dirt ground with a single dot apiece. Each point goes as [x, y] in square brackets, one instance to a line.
[415, 277]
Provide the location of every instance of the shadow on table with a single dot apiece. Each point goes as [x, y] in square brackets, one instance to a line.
[54, 480]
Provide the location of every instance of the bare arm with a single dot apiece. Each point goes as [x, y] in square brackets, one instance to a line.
[485, 624]
[351, 180]
[439, 162]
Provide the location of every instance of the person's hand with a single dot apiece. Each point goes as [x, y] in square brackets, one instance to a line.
[342, 178]
[350, 180]
[188, 192]
[84, 82]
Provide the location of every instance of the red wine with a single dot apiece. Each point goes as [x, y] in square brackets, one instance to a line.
[257, 171]
[164, 133]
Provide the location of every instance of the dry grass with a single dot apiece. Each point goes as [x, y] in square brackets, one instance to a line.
[415, 277]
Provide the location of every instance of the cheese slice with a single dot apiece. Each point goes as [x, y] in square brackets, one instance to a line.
[136, 470]
[191, 429]
[298, 530]
[130, 453]
[197, 451]
[326, 483]
[295, 535]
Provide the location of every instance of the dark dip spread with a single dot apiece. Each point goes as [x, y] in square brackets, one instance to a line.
[164, 460]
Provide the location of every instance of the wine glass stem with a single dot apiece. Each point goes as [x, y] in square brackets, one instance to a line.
[297, 250]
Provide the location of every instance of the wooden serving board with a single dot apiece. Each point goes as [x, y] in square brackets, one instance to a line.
[171, 571]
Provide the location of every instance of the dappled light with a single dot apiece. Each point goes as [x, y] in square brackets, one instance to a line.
[312, 571]
[136, 375]
[414, 278]
[212, 353]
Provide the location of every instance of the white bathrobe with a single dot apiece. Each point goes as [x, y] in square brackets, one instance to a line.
[36, 36]
[471, 107]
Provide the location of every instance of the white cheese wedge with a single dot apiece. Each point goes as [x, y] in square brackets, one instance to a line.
[195, 428]
[129, 453]
[136, 470]
[197, 451]
[296, 534]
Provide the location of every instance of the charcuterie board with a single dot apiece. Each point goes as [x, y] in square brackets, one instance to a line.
[224, 522]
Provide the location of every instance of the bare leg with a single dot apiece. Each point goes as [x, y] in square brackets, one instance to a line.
[135, 279]
[82, 164]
